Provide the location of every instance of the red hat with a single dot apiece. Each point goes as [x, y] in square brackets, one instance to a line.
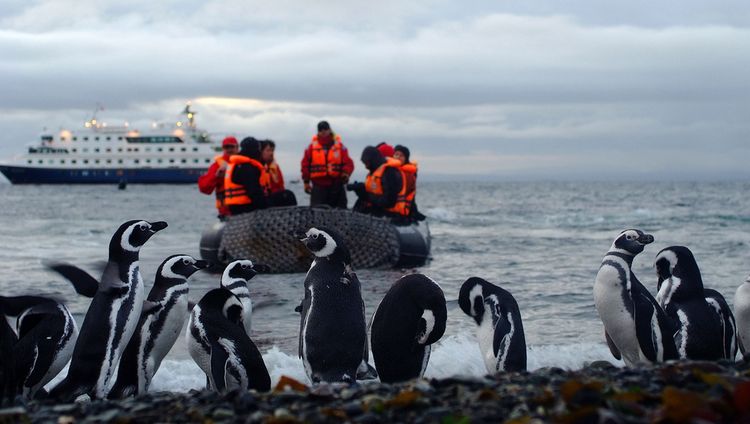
[385, 149]
[229, 141]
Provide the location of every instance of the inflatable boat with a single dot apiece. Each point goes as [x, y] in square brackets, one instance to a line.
[266, 237]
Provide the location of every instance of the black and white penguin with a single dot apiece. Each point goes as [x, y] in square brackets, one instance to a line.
[218, 343]
[9, 386]
[46, 333]
[333, 335]
[112, 315]
[500, 333]
[681, 294]
[636, 327]
[742, 312]
[164, 314]
[235, 279]
[411, 317]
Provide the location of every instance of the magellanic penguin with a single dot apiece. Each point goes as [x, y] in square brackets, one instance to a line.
[410, 318]
[10, 387]
[333, 335]
[636, 327]
[700, 334]
[46, 334]
[164, 314]
[218, 343]
[112, 315]
[501, 337]
[742, 310]
[235, 279]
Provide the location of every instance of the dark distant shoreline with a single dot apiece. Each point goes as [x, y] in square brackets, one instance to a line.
[675, 392]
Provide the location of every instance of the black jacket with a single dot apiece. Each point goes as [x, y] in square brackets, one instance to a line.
[248, 176]
[391, 181]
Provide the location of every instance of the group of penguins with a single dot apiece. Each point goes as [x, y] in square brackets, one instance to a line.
[685, 320]
[126, 334]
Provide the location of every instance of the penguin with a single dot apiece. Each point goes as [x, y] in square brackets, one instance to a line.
[235, 278]
[500, 333]
[700, 334]
[165, 312]
[333, 334]
[112, 315]
[742, 309]
[46, 334]
[9, 386]
[410, 318]
[218, 343]
[730, 342]
[636, 328]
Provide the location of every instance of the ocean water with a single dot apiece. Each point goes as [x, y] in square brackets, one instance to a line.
[542, 241]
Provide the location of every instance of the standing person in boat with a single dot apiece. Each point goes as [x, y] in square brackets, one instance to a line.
[384, 191]
[326, 167]
[278, 194]
[409, 169]
[246, 182]
[213, 180]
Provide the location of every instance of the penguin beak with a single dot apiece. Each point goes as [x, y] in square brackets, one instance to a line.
[158, 226]
[202, 264]
[646, 239]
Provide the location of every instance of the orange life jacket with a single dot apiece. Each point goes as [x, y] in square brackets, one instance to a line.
[219, 190]
[374, 185]
[322, 165]
[410, 175]
[234, 194]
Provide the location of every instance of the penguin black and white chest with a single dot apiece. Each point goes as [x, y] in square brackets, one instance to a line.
[235, 279]
[112, 315]
[165, 312]
[333, 335]
[410, 318]
[46, 333]
[742, 311]
[218, 343]
[636, 327]
[501, 337]
[681, 294]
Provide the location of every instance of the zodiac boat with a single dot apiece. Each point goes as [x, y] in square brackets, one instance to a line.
[267, 237]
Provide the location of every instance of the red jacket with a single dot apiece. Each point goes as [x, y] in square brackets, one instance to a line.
[277, 178]
[347, 164]
[210, 182]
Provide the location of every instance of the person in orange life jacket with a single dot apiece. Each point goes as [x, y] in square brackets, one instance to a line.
[278, 195]
[376, 198]
[213, 180]
[402, 154]
[385, 149]
[246, 182]
[326, 167]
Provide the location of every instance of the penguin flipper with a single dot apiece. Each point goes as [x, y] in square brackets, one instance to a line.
[82, 281]
[150, 307]
[501, 338]
[219, 364]
[612, 347]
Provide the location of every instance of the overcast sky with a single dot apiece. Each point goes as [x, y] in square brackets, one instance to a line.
[508, 89]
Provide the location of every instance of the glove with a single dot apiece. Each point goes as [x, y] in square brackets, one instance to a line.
[308, 187]
[358, 188]
[345, 178]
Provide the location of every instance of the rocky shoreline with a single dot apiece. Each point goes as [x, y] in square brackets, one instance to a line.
[600, 392]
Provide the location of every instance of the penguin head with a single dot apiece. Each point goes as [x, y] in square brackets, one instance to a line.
[132, 235]
[678, 273]
[324, 243]
[180, 267]
[471, 298]
[631, 242]
[241, 269]
[224, 302]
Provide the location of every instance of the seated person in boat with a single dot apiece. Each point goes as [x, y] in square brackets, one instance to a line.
[278, 194]
[213, 180]
[385, 149]
[409, 169]
[246, 182]
[384, 191]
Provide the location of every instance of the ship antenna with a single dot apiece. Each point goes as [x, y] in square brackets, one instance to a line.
[190, 115]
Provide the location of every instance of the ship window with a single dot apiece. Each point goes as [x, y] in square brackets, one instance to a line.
[129, 149]
[109, 160]
[96, 161]
[159, 149]
[171, 161]
[63, 138]
[50, 161]
[136, 161]
[171, 149]
[96, 138]
[74, 161]
[195, 161]
[148, 160]
[85, 139]
[109, 138]
[119, 149]
[159, 161]
[96, 150]
[108, 150]
[184, 149]
[29, 161]
[154, 139]
[184, 161]
[119, 160]
[195, 149]
[62, 161]
[136, 149]
[75, 150]
[40, 161]
[208, 161]
[85, 150]
[85, 161]
[75, 138]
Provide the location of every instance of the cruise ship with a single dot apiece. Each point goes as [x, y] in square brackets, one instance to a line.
[177, 152]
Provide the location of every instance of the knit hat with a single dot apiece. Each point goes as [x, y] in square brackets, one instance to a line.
[323, 125]
[385, 149]
[250, 147]
[404, 150]
[229, 141]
